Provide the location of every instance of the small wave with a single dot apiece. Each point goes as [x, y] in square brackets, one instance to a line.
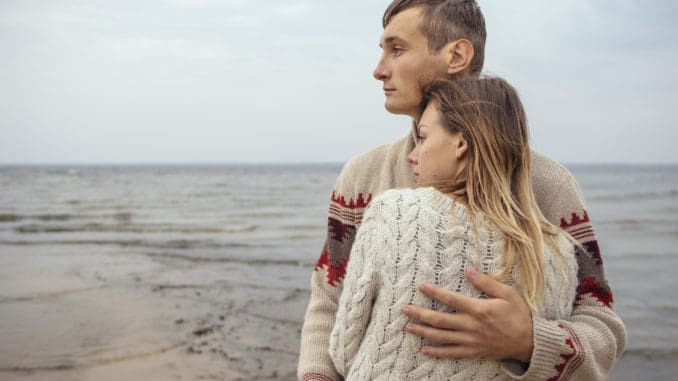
[245, 261]
[48, 295]
[9, 217]
[77, 364]
[121, 217]
[646, 255]
[53, 217]
[240, 229]
[293, 323]
[40, 217]
[190, 244]
[177, 244]
[259, 215]
[652, 353]
[667, 308]
[299, 227]
[654, 226]
[642, 221]
[635, 195]
[124, 228]
[300, 237]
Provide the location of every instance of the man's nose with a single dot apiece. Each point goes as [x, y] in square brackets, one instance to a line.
[381, 72]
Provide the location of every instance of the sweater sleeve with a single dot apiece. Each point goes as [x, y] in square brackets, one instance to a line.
[585, 346]
[360, 289]
[326, 280]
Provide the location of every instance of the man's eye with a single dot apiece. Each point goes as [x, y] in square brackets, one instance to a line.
[398, 51]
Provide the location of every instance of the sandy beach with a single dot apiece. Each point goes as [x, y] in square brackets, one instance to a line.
[111, 317]
[135, 317]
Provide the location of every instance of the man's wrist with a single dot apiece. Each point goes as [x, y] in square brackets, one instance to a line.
[525, 355]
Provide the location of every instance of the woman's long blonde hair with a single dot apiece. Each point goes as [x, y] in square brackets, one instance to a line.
[496, 180]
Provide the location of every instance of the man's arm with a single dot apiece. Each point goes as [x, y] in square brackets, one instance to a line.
[585, 346]
[314, 360]
[582, 348]
[345, 214]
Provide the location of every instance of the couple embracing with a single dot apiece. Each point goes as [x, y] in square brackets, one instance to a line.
[471, 256]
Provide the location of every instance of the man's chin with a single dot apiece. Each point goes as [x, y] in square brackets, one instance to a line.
[397, 109]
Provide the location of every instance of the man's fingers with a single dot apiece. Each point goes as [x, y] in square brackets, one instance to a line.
[487, 284]
[450, 298]
[438, 319]
[440, 336]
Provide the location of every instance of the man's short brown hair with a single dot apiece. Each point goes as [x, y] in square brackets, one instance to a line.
[444, 21]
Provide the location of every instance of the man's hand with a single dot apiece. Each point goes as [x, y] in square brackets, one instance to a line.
[498, 328]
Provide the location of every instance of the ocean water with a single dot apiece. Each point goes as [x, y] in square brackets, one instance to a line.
[635, 213]
[240, 213]
[275, 215]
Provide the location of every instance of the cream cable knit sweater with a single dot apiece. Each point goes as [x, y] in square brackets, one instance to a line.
[584, 347]
[408, 237]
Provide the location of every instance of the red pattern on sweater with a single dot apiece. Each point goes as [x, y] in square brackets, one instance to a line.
[335, 273]
[592, 286]
[360, 202]
[576, 220]
[590, 262]
[340, 235]
[572, 360]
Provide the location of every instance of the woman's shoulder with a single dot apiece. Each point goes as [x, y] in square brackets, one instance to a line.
[414, 197]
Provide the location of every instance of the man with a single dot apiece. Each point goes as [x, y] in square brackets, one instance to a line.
[422, 40]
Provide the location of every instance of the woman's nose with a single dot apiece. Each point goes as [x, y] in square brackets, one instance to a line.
[413, 157]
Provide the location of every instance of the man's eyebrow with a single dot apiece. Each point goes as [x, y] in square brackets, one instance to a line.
[391, 40]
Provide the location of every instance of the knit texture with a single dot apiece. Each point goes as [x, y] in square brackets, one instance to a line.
[582, 348]
[414, 236]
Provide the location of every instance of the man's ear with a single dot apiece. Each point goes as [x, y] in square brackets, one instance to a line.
[459, 55]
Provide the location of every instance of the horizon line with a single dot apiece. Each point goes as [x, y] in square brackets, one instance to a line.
[277, 163]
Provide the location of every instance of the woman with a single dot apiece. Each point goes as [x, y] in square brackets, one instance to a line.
[473, 207]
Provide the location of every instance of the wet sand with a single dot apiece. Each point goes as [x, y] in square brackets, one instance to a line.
[99, 316]
[103, 316]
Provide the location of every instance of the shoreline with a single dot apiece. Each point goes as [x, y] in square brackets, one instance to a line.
[113, 316]
[92, 314]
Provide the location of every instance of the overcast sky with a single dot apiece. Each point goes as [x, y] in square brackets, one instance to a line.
[194, 81]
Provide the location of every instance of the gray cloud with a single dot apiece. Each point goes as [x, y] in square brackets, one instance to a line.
[179, 80]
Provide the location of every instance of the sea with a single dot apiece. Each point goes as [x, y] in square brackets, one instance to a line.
[274, 215]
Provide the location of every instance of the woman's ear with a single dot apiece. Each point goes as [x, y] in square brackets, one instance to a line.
[459, 55]
[461, 146]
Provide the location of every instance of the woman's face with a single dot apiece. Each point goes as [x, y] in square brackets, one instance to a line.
[439, 155]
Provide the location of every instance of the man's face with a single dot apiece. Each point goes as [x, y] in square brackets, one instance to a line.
[406, 62]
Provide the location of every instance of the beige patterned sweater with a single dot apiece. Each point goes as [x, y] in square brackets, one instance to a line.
[582, 348]
[412, 236]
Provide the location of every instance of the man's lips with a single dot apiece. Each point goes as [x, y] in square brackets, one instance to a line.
[389, 90]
